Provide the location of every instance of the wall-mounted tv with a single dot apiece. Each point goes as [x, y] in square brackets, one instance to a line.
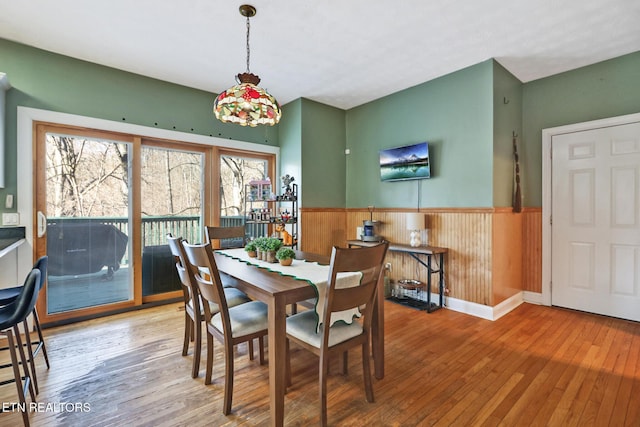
[406, 162]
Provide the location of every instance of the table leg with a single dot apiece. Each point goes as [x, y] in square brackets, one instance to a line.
[277, 362]
[429, 284]
[377, 333]
[441, 280]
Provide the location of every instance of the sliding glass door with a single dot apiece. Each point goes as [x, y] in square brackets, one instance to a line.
[172, 188]
[237, 170]
[105, 203]
[87, 222]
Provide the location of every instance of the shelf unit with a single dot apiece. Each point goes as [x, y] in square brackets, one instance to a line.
[416, 252]
[263, 212]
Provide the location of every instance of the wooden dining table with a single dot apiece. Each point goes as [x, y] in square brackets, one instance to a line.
[278, 291]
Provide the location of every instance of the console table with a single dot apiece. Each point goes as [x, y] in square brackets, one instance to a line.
[423, 255]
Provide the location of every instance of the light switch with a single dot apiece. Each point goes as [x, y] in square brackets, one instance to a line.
[10, 219]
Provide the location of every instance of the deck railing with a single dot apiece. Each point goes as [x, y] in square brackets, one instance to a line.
[155, 228]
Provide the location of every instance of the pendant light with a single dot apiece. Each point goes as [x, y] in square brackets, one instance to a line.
[246, 103]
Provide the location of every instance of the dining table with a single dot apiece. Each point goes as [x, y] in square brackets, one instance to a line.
[278, 291]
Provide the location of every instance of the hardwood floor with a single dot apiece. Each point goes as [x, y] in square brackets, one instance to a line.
[536, 366]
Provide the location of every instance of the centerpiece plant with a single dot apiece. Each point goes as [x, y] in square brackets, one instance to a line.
[271, 246]
[285, 255]
[260, 246]
[251, 248]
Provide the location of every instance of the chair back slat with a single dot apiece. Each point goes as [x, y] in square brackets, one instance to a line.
[348, 298]
[216, 235]
[369, 262]
[187, 280]
[205, 271]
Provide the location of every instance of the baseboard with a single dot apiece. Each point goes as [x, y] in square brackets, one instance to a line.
[485, 311]
[533, 297]
[481, 310]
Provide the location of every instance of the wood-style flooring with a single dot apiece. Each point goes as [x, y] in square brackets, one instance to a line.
[537, 366]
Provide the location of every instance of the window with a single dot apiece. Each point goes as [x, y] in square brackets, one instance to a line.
[141, 187]
[236, 171]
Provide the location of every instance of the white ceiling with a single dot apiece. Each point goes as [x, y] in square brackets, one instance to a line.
[338, 52]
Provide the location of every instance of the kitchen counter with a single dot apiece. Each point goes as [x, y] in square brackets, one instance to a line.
[10, 239]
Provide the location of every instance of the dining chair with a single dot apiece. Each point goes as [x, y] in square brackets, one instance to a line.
[231, 325]
[8, 295]
[193, 307]
[11, 316]
[226, 238]
[327, 340]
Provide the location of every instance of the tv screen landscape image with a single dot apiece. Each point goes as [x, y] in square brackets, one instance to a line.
[406, 162]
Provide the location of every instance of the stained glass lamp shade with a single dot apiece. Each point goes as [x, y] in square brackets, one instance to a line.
[247, 104]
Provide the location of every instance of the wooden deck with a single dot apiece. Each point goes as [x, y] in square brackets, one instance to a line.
[535, 366]
[65, 293]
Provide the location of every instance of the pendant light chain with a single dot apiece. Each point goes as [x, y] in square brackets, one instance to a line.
[248, 50]
[245, 103]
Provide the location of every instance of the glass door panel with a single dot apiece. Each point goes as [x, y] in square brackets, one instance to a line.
[236, 171]
[172, 188]
[87, 216]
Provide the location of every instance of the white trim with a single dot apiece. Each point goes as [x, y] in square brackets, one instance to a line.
[478, 310]
[26, 117]
[4, 82]
[4, 87]
[485, 311]
[33, 114]
[507, 305]
[532, 297]
[547, 137]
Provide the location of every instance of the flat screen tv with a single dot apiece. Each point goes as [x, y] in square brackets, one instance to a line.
[406, 162]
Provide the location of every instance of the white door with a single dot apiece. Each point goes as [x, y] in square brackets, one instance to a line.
[596, 221]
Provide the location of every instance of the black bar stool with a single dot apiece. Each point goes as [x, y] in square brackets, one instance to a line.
[11, 316]
[8, 295]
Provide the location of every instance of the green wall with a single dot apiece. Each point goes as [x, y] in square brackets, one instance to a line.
[323, 158]
[454, 114]
[290, 136]
[468, 117]
[507, 120]
[606, 89]
[312, 143]
[46, 80]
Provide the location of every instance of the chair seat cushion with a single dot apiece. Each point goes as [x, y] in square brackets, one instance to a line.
[234, 297]
[303, 327]
[245, 319]
[227, 281]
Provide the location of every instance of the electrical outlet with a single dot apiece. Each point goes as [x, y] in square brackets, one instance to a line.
[387, 266]
[10, 219]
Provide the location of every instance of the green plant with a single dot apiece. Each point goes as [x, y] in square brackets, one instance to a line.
[285, 253]
[272, 244]
[260, 243]
[251, 246]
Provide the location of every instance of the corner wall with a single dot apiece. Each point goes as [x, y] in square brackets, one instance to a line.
[602, 90]
[454, 114]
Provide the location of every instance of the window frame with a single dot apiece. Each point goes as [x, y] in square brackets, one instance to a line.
[28, 118]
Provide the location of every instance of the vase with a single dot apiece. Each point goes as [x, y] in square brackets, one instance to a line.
[271, 256]
[287, 261]
[252, 254]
